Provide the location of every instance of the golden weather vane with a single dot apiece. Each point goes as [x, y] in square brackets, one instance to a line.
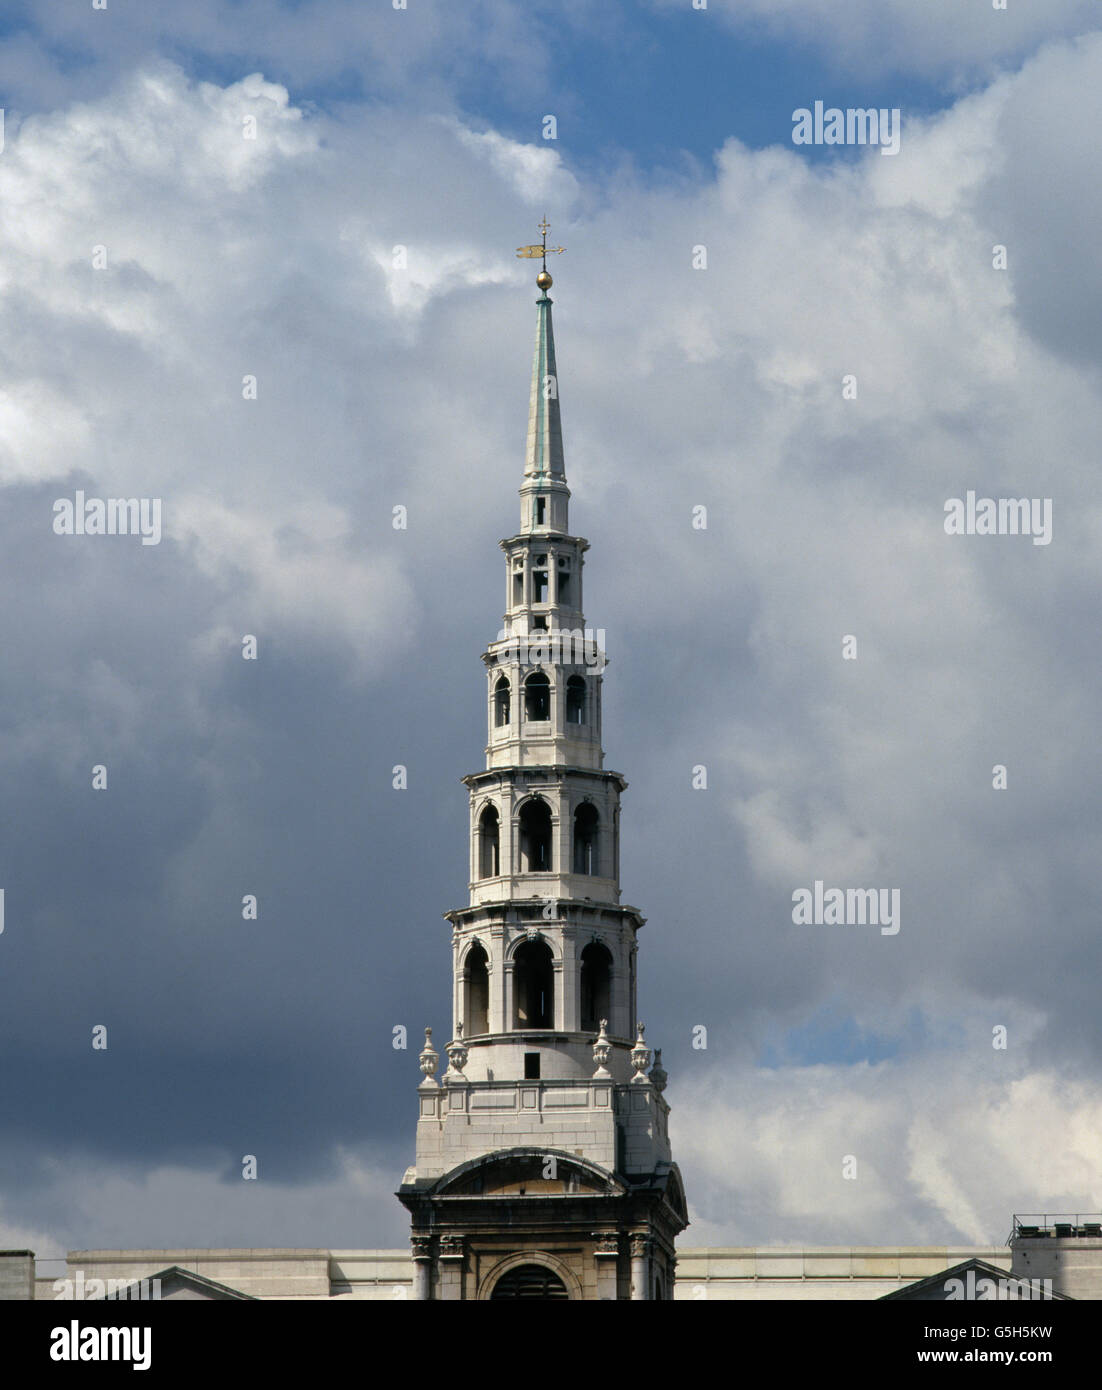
[543, 279]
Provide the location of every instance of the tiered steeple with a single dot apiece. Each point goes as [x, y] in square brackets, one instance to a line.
[547, 1088]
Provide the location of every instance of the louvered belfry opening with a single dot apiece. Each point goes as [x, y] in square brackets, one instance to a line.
[529, 1281]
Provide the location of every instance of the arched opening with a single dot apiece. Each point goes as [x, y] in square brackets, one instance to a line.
[539, 580]
[564, 595]
[537, 698]
[501, 703]
[530, 1282]
[535, 837]
[596, 985]
[533, 985]
[476, 1003]
[585, 838]
[489, 843]
[575, 700]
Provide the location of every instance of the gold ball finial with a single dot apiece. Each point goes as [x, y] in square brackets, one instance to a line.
[543, 279]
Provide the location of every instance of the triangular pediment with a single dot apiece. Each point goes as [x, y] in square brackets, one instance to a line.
[174, 1283]
[974, 1281]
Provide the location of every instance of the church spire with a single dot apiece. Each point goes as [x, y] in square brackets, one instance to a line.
[545, 1123]
[544, 456]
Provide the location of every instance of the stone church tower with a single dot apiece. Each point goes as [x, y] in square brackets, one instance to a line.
[543, 1157]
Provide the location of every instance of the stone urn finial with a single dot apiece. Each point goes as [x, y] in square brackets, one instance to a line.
[640, 1058]
[457, 1056]
[658, 1074]
[602, 1050]
[429, 1058]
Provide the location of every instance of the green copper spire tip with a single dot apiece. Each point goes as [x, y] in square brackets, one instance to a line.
[544, 453]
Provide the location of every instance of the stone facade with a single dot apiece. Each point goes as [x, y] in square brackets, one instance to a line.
[17, 1275]
[1072, 1263]
[596, 1260]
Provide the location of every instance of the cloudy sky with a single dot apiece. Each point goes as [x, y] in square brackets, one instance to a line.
[227, 257]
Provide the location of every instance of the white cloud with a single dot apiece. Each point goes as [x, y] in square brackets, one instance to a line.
[947, 1147]
[535, 174]
[940, 38]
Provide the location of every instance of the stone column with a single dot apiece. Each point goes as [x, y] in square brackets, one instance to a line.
[506, 826]
[422, 1267]
[561, 862]
[458, 982]
[570, 941]
[640, 1267]
[620, 1010]
[633, 981]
